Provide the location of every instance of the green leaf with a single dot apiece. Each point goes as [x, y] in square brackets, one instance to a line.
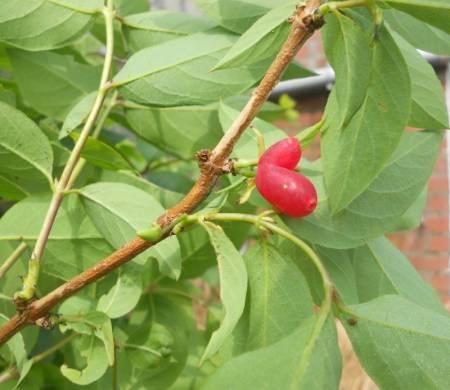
[126, 7]
[79, 318]
[434, 12]
[45, 24]
[236, 15]
[279, 297]
[400, 344]
[26, 157]
[152, 28]
[78, 114]
[181, 131]
[165, 197]
[379, 208]
[95, 359]
[309, 358]
[381, 269]
[233, 286]
[428, 107]
[176, 73]
[296, 71]
[102, 155]
[119, 210]
[356, 153]
[52, 83]
[262, 40]
[125, 294]
[347, 47]
[417, 33]
[339, 264]
[247, 146]
[74, 243]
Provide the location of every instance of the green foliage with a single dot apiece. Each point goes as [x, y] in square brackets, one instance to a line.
[232, 297]
[403, 329]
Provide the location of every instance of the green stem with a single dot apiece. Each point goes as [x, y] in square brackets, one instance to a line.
[95, 134]
[30, 283]
[335, 5]
[41, 356]
[143, 348]
[11, 260]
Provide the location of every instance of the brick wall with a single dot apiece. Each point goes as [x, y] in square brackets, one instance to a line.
[428, 246]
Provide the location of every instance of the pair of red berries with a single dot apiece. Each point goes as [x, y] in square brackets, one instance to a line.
[288, 191]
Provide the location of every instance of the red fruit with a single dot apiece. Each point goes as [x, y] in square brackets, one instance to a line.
[290, 192]
[285, 153]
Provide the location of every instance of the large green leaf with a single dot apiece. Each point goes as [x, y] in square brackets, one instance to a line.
[74, 243]
[52, 83]
[434, 12]
[26, 157]
[400, 344]
[176, 73]
[152, 28]
[417, 33]
[45, 24]
[236, 15]
[355, 153]
[381, 269]
[233, 286]
[347, 47]
[279, 298]
[309, 358]
[181, 131]
[379, 208]
[260, 41]
[428, 107]
[119, 210]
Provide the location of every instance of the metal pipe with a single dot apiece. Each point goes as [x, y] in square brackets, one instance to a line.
[323, 82]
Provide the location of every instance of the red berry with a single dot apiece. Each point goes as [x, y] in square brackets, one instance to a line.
[290, 192]
[285, 153]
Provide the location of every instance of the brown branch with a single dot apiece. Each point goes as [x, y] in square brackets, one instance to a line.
[212, 165]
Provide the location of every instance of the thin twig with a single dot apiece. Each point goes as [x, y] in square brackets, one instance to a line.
[212, 165]
[10, 261]
[31, 279]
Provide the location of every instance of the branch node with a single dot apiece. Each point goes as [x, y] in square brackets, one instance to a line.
[47, 322]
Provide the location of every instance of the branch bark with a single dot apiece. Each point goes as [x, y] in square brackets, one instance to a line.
[212, 165]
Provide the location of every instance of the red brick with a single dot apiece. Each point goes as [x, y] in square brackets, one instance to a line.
[439, 244]
[438, 184]
[441, 283]
[437, 202]
[436, 224]
[441, 165]
[438, 263]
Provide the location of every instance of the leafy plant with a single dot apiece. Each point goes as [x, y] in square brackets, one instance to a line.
[152, 273]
